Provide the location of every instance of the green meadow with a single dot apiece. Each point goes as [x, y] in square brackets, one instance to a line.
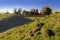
[33, 31]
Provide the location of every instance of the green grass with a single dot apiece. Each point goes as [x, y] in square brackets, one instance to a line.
[51, 22]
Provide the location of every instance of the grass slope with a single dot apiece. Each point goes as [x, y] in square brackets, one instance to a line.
[51, 22]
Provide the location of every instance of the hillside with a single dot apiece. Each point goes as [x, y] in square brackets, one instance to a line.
[34, 28]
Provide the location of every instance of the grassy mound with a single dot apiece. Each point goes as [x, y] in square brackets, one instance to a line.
[42, 28]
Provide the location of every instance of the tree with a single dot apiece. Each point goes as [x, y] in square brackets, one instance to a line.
[19, 11]
[36, 12]
[46, 10]
[24, 12]
[15, 11]
[7, 12]
[32, 11]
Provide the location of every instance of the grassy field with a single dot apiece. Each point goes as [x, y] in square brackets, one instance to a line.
[32, 31]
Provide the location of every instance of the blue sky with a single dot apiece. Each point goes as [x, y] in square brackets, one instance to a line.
[8, 5]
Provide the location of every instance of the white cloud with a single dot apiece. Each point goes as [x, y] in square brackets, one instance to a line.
[5, 10]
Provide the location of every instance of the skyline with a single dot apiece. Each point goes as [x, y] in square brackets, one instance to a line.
[9, 5]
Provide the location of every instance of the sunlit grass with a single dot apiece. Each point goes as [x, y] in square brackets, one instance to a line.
[51, 22]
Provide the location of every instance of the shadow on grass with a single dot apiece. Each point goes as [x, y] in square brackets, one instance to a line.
[12, 22]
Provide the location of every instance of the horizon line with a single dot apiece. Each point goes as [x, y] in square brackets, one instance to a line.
[10, 10]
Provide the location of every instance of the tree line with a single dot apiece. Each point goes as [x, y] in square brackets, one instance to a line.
[45, 11]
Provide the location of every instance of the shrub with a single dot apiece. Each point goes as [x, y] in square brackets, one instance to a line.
[50, 32]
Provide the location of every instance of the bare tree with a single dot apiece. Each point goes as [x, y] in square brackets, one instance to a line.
[19, 11]
[15, 11]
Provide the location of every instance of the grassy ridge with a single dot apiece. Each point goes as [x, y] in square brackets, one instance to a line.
[51, 22]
